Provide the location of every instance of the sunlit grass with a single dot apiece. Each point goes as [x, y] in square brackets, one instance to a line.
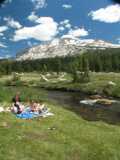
[98, 81]
[64, 136]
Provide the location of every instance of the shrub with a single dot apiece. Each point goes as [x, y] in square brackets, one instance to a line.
[15, 80]
[15, 77]
[82, 77]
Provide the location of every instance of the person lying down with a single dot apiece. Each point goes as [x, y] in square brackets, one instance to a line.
[34, 110]
[34, 106]
[37, 106]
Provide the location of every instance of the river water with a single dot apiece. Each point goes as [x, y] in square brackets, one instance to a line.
[71, 101]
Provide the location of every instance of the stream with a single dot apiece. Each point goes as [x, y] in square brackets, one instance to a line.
[97, 112]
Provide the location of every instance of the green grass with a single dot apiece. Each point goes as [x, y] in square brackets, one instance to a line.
[98, 83]
[73, 138]
[27, 93]
[65, 136]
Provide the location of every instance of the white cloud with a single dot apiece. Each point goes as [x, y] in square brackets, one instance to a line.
[118, 40]
[3, 28]
[68, 26]
[79, 32]
[29, 43]
[65, 24]
[32, 17]
[40, 20]
[67, 6]
[110, 14]
[45, 20]
[1, 34]
[45, 31]
[68, 36]
[61, 28]
[12, 23]
[76, 33]
[39, 4]
[2, 45]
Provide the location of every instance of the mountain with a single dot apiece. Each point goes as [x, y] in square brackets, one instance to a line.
[64, 46]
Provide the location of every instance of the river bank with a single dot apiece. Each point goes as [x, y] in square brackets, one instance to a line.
[63, 136]
[83, 133]
[105, 84]
[108, 113]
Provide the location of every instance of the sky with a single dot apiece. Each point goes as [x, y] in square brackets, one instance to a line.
[25, 23]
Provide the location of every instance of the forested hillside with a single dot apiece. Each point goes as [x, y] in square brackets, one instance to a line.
[97, 60]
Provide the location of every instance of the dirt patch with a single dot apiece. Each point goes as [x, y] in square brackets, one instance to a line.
[36, 136]
[5, 125]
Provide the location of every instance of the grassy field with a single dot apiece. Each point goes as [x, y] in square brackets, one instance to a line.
[65, 136]
[99, 82]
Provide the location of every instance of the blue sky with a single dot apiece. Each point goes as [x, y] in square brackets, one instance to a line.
[24, 23]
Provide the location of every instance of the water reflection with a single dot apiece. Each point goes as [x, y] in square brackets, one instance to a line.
[109, 114]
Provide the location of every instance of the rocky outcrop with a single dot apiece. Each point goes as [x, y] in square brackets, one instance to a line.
[63, 47]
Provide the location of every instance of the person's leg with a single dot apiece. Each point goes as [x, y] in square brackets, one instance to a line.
[18, 108]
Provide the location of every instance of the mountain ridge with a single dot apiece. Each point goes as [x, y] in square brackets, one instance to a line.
[65, 46]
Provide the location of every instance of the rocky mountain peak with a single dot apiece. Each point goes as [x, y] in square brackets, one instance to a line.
[64, 46]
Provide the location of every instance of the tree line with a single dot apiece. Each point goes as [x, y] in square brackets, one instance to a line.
[107, 60]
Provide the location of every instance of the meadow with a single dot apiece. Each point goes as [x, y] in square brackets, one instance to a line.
[100, 83]
[64, 136]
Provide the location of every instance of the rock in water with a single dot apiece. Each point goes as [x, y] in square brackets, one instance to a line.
[88, 101]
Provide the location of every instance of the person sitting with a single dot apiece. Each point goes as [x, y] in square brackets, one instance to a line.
[33, 106]
[37, 106]
[40, 107]
[17, 107]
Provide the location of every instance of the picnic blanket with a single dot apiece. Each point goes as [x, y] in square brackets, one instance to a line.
[27, 114]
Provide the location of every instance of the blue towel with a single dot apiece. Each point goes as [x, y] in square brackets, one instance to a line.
[27, 114]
